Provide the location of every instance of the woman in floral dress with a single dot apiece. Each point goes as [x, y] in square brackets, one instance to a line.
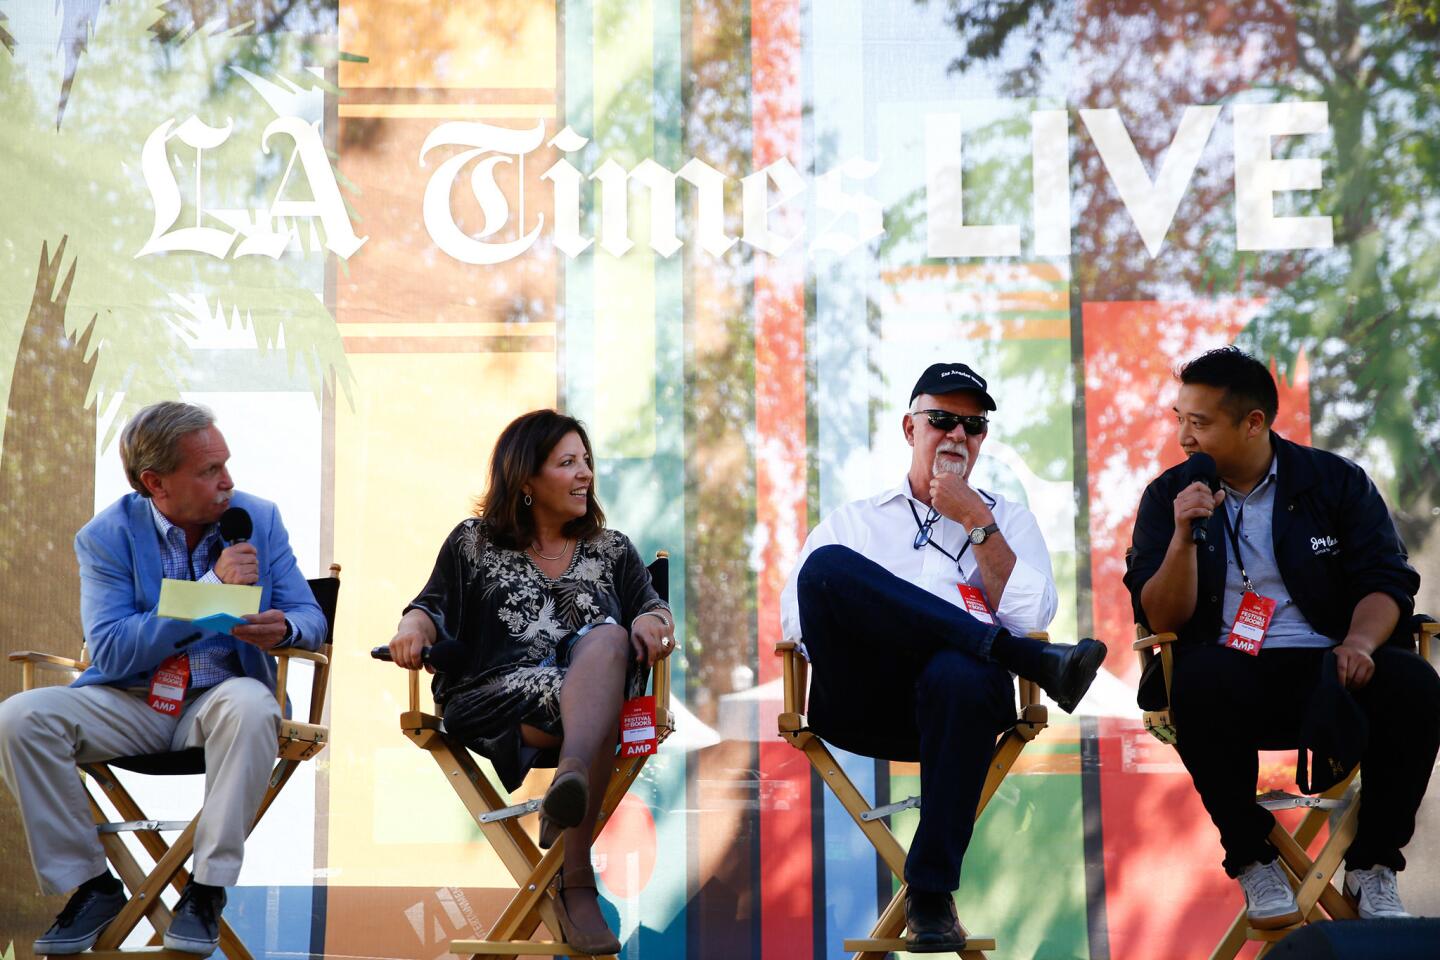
[542, 621]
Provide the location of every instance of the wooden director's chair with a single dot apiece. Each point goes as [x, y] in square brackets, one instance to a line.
[297, 741]
[533, 871]
[886, 937]
[1311, 877]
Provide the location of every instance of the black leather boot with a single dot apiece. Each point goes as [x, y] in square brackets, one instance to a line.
[931, 924]
[1066, 672]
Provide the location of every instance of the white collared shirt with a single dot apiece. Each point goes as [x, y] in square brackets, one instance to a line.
[882, 528]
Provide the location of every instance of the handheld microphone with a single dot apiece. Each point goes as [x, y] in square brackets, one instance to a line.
[236, 526]
[1201, 466]
[447, 656]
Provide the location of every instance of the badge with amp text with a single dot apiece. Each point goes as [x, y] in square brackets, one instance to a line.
[637, 727]
[167, 688]
[975, 604]
[1251, 621]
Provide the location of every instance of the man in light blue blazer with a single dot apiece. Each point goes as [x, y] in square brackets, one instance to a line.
[157, 684]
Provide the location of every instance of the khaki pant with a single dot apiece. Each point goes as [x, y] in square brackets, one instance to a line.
[45, 733]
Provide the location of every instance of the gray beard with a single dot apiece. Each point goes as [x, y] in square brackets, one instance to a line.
[941, 465]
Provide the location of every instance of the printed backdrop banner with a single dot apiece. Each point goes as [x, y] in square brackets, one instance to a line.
[727, 235]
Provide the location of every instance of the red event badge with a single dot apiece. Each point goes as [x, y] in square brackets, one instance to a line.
[167, 688]
[637, 727]
[1251, 621]
[975, 604]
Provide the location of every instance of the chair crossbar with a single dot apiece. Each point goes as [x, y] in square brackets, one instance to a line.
[130, 826]
[515, 810]
[880, 947]
[143, 953]
[511, 948]
[1280, 800]
[880, 813]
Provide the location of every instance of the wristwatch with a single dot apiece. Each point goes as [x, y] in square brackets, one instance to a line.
[979, 535]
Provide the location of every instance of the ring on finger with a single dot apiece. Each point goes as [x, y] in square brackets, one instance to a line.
[665, 642]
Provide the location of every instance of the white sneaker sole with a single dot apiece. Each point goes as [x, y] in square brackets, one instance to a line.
[63, 948]
[1277, 922]
[201, 948]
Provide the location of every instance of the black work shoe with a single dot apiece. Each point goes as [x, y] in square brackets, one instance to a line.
[1067, 671]
[79, 925]
[195, 927]
[931, 924]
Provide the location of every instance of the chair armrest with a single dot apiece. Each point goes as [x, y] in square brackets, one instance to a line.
[660, 686]
[795, 682]
[282, 669]
[46, 660]
[1153, 641]
[297, 654]
[29, 660]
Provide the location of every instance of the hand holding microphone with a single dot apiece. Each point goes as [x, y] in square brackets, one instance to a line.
[1200, 498]
[238, 562]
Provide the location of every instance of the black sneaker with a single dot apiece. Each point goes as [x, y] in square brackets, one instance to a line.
[79, 925]
[195, 927]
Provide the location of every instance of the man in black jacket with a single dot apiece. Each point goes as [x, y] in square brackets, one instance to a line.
[1298, 558]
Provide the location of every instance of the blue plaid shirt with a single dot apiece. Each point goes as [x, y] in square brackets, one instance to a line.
[212, 661]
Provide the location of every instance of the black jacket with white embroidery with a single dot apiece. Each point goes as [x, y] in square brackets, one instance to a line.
[1334, 544]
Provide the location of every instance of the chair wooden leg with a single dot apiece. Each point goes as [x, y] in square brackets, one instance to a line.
[1316, 886]
[855, 804]
[128, 809]
[889, 925]
[231, 945]
[147, 899]
[1234, 939]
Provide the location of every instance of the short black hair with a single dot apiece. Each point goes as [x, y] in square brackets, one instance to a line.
[1246, 381]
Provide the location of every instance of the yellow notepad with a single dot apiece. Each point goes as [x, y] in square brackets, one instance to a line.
[190, 600]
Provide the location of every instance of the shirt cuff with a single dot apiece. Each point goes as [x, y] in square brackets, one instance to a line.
[291, 636]
[1024, 606]
[210, 577]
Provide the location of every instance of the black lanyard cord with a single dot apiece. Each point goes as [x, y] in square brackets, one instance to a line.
[920, 525]
[1231, 531]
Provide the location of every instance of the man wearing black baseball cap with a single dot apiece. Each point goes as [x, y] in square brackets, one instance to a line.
[919, 599]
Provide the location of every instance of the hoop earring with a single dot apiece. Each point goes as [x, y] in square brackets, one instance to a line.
[528, 501]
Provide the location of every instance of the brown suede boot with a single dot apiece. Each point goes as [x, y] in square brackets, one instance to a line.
[565, 801]
[591, 942]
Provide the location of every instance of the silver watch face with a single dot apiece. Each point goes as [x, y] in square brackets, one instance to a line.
[978, 535]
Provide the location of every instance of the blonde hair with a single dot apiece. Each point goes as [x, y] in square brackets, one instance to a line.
[151, 440]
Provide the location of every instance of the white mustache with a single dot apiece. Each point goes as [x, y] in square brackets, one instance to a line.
[223, 498]
[942, 465]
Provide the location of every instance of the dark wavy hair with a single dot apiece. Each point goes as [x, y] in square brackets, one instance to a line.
[520, 452]
[1246, 381]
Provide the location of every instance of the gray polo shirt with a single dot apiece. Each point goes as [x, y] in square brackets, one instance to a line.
[1250, 518]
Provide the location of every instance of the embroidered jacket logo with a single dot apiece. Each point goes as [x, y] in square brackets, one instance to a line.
[1324, 546]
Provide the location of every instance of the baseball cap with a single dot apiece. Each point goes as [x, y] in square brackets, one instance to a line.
[941, 378]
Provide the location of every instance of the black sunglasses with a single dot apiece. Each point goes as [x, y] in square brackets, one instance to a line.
[922, 536]
[945, 421]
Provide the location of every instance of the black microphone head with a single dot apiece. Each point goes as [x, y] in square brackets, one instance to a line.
[449, 656]
[1201, 466]
[235, 525]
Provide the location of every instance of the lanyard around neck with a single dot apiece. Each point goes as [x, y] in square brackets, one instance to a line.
[920, 525]
[1232, 532]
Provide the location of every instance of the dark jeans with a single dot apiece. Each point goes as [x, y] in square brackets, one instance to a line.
[1229, 704]
[900, 674]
